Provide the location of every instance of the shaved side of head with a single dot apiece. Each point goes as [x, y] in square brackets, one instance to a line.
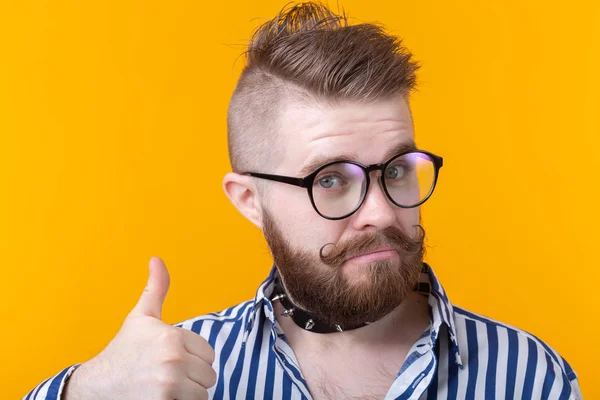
[308, 54]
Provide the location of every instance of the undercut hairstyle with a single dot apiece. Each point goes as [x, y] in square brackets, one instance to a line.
[307, 53]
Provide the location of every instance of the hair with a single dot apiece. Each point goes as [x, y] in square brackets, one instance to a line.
[308, 53]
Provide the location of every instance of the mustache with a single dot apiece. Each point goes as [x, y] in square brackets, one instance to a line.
[390, 237]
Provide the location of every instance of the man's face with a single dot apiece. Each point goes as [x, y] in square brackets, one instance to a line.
[359, 268]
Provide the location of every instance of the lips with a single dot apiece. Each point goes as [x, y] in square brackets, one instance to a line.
[373, 253]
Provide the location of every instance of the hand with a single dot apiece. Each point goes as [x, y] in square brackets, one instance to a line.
[147, 359]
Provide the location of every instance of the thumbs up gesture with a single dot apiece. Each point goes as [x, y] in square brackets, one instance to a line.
[147, 359]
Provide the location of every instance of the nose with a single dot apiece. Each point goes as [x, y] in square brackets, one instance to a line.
[377, 211]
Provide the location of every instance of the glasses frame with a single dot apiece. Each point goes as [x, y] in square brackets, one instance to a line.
[308, 181]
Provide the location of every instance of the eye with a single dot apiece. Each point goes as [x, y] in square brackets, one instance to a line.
[329, 181]
[394, 172]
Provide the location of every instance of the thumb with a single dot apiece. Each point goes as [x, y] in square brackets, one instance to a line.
[153, 297]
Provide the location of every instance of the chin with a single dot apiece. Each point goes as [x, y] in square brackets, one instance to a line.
[352, 269]
[365, 275]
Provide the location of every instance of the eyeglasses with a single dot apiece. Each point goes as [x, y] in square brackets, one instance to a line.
[338, 189]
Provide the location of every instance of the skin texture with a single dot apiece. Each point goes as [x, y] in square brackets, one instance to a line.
[365, 132]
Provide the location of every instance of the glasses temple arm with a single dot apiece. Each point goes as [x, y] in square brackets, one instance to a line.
[279, 178]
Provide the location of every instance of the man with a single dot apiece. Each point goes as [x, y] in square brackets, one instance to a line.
[322, 147]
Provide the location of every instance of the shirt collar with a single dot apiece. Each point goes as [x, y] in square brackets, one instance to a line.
[261, 300]
[441, 311]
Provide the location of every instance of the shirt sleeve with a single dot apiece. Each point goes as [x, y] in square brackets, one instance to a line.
[576, 391]
[51, 388]
[573, 380]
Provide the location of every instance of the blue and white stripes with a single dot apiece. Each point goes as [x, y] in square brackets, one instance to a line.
[51, 388]
[461, 355]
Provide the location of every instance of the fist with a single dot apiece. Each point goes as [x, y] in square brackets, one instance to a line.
[148, 359]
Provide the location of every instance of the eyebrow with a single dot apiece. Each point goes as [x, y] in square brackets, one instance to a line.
[321, 160]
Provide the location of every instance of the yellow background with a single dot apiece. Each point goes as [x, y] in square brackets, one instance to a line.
[113, 146]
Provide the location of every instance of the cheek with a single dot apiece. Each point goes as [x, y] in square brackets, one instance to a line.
[302, 226]
[408, 218]
[289, 205]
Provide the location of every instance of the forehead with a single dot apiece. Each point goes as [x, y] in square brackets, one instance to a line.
[364, 132]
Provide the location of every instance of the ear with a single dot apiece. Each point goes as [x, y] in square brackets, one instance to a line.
[242, 192]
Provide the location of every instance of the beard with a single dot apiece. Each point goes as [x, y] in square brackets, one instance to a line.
[316, 283]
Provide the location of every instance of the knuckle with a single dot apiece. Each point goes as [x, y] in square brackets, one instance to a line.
[168, 382]
[171, 336]
[172, 356]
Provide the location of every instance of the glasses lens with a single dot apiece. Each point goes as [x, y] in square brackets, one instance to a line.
[338, 189]
[409, 178]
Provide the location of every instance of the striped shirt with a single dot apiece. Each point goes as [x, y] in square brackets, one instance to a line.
[461, 355]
